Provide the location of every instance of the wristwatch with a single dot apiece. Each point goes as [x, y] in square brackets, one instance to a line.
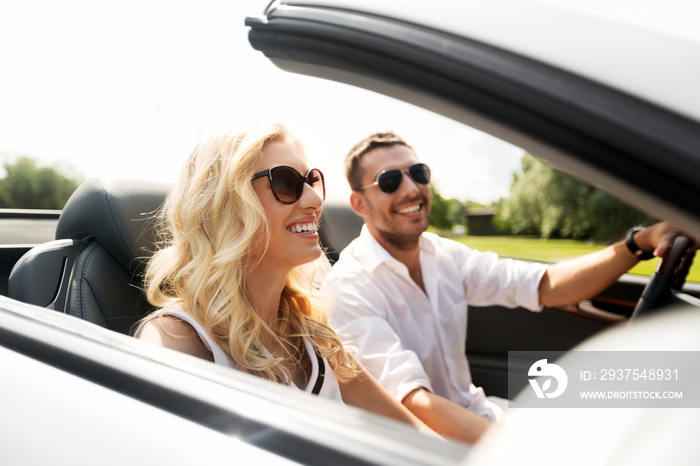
[634, 248]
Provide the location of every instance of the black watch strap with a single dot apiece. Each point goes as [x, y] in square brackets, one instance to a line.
[634, 248]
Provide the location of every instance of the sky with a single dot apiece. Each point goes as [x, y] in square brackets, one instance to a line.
[127, 88]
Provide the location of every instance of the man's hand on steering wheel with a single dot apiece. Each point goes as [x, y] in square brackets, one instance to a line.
[659, 238]
[676, 251]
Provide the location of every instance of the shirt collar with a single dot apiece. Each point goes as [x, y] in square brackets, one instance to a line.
[374, 254]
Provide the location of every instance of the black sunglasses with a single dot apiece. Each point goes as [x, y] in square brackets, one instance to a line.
[390, 180]
[287, 184]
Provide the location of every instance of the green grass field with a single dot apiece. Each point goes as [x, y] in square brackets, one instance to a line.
[553, 250]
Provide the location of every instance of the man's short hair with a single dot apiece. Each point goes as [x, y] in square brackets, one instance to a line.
[352, 161]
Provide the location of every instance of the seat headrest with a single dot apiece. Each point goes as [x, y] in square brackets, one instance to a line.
[120, 214]
[339, 226]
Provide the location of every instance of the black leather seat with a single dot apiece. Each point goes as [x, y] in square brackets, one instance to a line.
[104, 237]
[339, 226]
[93, 269]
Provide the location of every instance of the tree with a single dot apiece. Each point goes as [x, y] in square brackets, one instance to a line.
[28, 186]
[439, 213]
[457, 212]
[554, 203]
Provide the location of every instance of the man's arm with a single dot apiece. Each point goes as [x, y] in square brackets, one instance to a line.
[571, 281]
[446, 417]
[363, 391]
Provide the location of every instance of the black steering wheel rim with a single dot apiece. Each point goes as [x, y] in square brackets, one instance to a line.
[669, 275]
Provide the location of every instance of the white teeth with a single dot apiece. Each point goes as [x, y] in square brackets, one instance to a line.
[306, 228]
[410, 210]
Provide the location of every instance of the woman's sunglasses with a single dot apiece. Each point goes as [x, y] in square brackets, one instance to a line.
[390, 180]
[287, 184]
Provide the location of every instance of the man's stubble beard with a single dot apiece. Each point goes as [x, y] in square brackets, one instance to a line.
[400, 241]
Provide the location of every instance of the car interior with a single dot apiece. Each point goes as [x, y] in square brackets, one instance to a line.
[106, 233]
[104, 237]
[92, 269]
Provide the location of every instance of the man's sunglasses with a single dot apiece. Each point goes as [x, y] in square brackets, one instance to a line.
[287, 184]
[390, 180]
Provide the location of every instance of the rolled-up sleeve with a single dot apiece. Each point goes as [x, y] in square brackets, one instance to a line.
[490, 280]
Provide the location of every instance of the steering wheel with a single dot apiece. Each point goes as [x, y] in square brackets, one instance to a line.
[669, 275]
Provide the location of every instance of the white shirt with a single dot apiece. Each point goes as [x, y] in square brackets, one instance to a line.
[330, 388]
[408, 338]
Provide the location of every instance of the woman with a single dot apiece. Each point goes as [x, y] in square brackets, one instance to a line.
[234, 277]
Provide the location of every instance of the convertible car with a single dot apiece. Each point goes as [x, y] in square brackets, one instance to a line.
[605, 91]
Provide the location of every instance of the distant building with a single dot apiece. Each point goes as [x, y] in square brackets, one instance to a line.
[480, 222]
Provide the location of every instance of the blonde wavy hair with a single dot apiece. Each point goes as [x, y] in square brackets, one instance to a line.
[214, 232]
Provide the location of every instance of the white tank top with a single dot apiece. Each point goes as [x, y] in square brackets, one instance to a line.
[322, 381]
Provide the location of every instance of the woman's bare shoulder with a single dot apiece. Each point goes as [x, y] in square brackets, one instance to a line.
[174, 333]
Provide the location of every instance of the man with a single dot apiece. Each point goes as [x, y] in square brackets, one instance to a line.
[401, 294]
